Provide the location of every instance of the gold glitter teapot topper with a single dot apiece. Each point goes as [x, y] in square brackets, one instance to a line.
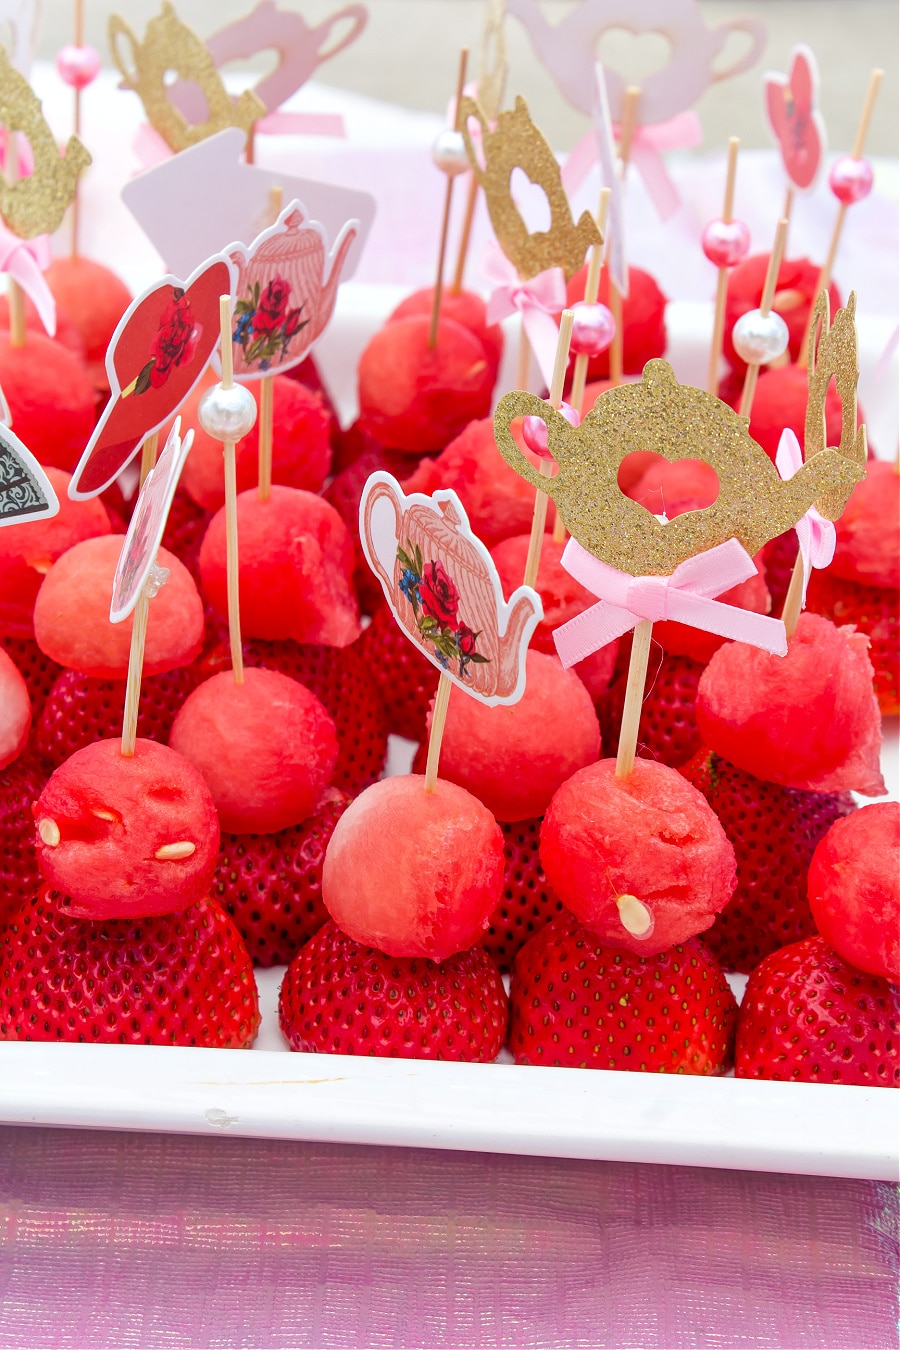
[516, 143]
[676, 421]
[36, 204]
[170, 45]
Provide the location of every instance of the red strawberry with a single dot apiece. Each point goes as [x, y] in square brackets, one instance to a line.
[576, 1003]
[779, 556]
[21, 783]
[80, 710]
[405, 678]
[177, 979]
[875, 611]
[668, 729]
[528, 901]
[808, 1016]
[341, 998]
[37, 670]
[271, 884]
[774, 831]
[185, 528]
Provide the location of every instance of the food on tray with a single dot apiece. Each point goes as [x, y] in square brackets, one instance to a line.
[51, 398]
[463, 307]
[854, 889]
[643, 320]
[15, 710]
[93, 298]
[795, 292]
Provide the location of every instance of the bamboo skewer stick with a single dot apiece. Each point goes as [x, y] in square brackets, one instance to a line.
[149, 451]
[765, 307]
[712, 382]
[74, 220]
[436, 735]
[135, 672]
[539, 519]
[448, 198]
[232, 573]
[634, 697]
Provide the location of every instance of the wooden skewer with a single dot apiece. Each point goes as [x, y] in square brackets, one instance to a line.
[466, 235]
[231, 529]
[539, 519]
[436, 735]
[448, 198]
[135, 672]
[634, 697]
[626, 135]
[824, 278]
[264, 489]
[149, 451]
[765, 307]
[712, 382]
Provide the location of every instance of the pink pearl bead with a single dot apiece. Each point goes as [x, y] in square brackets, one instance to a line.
[850, 179]
[78, 66]
[593, 329]
[725, 242]
[534, 430]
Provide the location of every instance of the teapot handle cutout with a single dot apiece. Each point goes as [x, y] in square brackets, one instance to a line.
[525, 405]
[381, 491]
[359, 18]
[755, 30]
[117, 29]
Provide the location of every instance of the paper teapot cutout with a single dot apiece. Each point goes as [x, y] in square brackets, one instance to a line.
[569, 49]
[444, 591]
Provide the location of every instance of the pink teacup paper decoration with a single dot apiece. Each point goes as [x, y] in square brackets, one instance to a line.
[26, 492]
[796, 122]
[159, 351]
[444, 591]
[285, 292]
[147, 525]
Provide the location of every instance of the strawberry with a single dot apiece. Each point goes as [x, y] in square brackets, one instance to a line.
[405, 678]
[528, 901]
[875, 611]
[37, 670]
[341, 998]
[774, 831]
[576, 1003]
[779, 556]
[185, 527]
[271, 884]
[80, 710]
[21, 783]
[668, 729]
[808, 1016]
[176, 979]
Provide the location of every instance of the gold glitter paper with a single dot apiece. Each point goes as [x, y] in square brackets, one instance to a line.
[833, 352]
[170, 45]
[676, 422]
[37, 204]
[517, 144]
[494, 61]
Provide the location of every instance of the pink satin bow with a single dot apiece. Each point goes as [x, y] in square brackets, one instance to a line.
[815, 535]
[538, 301]
[686, 597]
[681, 132]
[26, 260]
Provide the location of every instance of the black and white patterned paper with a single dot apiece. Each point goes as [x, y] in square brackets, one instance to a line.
[26, 492]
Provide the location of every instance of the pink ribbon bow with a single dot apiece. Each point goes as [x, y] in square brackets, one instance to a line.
[815, 535]
[538, 301]
[25, 260]
[686, 597]
[681, 132]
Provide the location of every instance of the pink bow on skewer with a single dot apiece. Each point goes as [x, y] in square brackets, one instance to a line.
[686, 597]
[681, 132]
[25, 260]
[815, 535]
[539, 301]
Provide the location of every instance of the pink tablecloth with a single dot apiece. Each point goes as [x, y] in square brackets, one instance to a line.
[116, 1240]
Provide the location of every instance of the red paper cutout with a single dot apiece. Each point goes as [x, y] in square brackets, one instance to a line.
[794, 118]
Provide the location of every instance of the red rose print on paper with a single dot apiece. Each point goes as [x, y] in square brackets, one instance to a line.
[159, 351]
[439, 596]
[794, 118]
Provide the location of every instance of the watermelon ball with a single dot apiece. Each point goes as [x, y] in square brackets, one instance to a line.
[854, 889]
[301, 449]
[643, 320]
[94, 299]
[642, 861]
[15, 710]
[414, 397]
[867, 548]
[126, 835]
[28, 550]
[296, 568]
[414, 873]
[807, 720]
[513, 758]
[795, 291]
[463, 307]
[780, 403]
[71, 614]
[266, 747]
[51, 398]
[67, 335]
[670, 488]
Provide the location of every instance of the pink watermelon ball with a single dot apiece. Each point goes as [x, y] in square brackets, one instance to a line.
[51, 398]
[266, 748]
[416, 397]
[807, 720]
[514, 758]
[642, 861]
[854, 889]
[672, 487]
[780, 402]
[71, 614]
[93, 298]
[465, 308]
[296, 568]
[27, 552]
[15, 710]
[867, 549]
[125, 836]
[414, 873]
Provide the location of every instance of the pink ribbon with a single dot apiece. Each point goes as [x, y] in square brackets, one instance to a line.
[685, 597]
[538, 301]
[815, 535]
[26, 261]
[681, 132]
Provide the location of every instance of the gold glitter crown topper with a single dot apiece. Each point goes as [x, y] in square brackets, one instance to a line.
[676, 421]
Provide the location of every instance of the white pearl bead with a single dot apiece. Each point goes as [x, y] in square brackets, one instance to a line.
[760, 338]
[449, 153]
[227, 414]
